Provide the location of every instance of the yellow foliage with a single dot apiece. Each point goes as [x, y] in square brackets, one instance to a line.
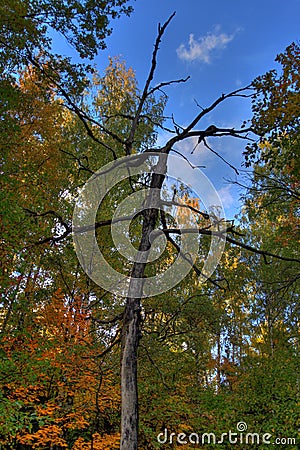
[120, 86]
[230, 262]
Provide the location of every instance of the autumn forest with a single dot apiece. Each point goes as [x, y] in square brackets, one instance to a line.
[85, 366]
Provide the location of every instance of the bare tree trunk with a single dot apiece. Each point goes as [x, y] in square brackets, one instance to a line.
[129, 389]
[218, 362]
[131, 323]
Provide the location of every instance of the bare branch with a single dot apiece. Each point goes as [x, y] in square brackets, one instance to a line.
[49, 213]
[115, 319]
[68, 229]
[187, 160]
[205, 231]
[199, 106]
[176, 125]
[213, 131]
[50, 239]
[145, 94]
[109, 348]
[167, 83]
[219, 156]
[142, 116]
[210, 131]
[155, 365]
[177, 247]
[81, 166]
[183, 205]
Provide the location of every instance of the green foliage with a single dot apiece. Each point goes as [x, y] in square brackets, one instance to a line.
[25, 27]
[276, 113]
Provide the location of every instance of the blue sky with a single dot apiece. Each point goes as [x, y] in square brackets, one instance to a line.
[222, 45]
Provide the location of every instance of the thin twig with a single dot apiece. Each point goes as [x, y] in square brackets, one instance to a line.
[219, 156]
[168, 83]
[155, 365]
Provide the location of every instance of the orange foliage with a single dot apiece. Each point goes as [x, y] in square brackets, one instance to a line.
[59, 384]
[105, 442]
[48, 435]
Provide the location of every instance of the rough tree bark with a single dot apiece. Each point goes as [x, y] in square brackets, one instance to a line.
[131, 321]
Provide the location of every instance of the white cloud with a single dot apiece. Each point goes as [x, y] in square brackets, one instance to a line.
[226, 196]
[201, 49]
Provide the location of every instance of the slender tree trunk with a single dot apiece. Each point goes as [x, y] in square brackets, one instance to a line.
[131, 323]
[218, 362]
[129, 390]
